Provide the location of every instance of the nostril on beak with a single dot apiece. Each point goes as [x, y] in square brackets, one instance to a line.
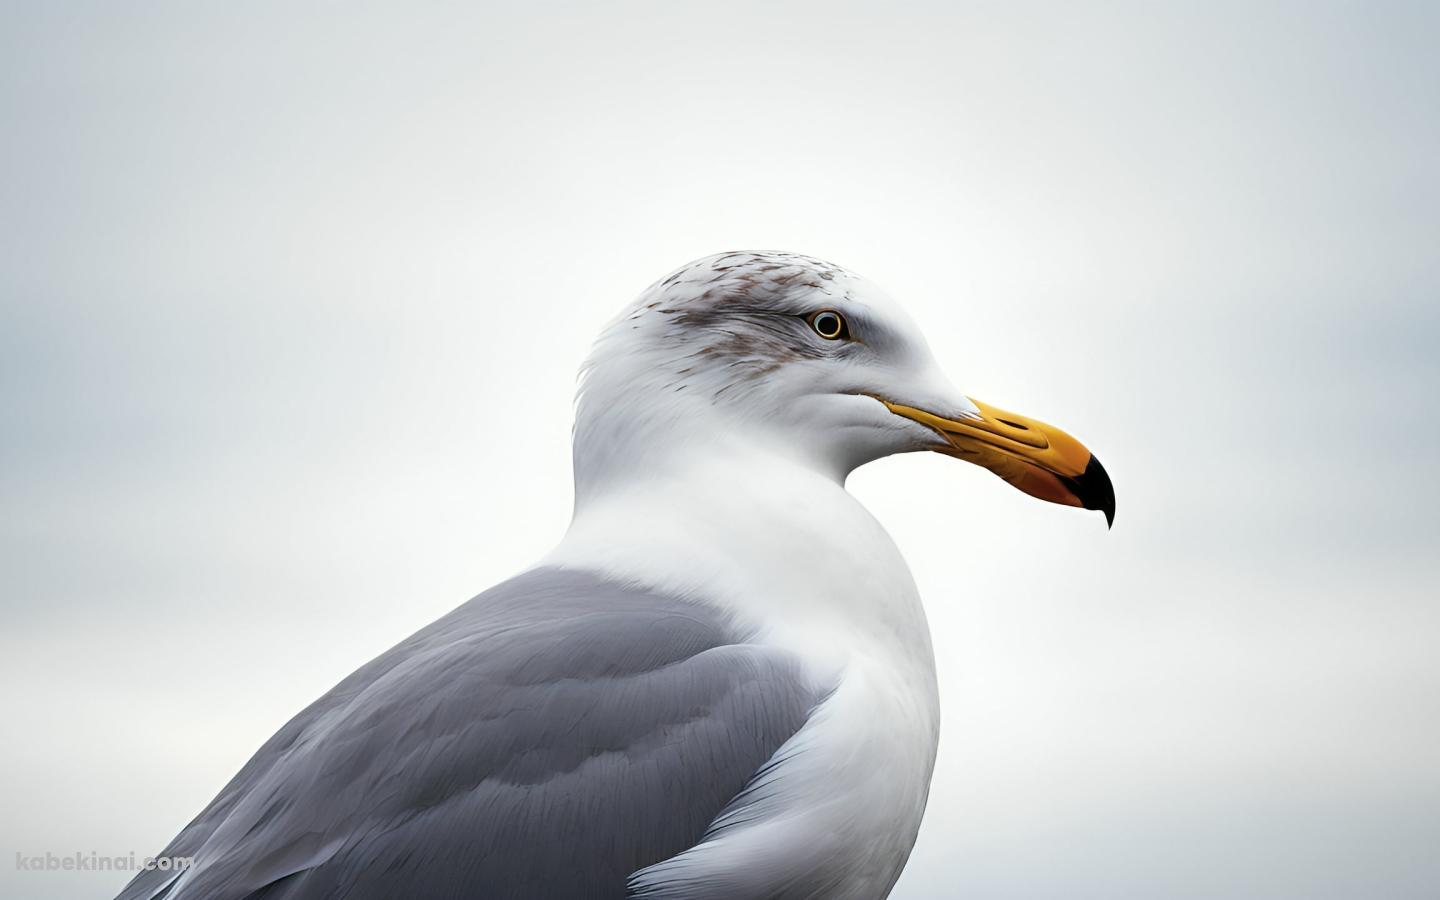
[1012, 424]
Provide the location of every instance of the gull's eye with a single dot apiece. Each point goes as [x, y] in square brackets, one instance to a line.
[829, 324]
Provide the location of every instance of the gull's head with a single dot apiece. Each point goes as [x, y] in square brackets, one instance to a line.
[777, 353]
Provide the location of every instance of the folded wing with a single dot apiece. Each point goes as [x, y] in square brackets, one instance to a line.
[547, 738]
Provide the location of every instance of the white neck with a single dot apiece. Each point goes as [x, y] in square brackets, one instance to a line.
[765, 537]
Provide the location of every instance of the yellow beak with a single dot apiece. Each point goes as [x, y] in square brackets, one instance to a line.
[1039, 459]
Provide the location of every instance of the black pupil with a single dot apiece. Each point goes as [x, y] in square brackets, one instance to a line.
[828, 324]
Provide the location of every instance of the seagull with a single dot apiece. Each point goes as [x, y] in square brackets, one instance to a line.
[719, 684]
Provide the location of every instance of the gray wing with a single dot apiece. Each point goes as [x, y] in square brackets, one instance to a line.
[545, 739]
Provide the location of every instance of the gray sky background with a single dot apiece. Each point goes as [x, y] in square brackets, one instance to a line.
[293, 300]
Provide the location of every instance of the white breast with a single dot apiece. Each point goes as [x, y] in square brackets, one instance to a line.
[794, 556]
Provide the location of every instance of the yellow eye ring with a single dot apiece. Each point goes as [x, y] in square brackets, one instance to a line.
[829, 324]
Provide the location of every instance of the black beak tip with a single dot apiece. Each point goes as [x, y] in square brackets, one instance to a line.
[1095, 490]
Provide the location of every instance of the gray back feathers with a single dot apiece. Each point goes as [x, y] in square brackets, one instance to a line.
[546, 739]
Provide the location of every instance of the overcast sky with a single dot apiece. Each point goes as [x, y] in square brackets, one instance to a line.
[293, 303]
